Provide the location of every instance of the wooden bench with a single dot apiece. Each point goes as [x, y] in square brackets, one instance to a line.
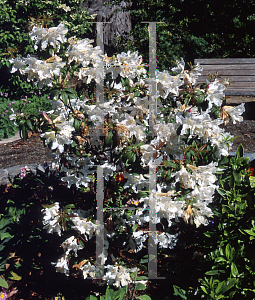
[240, 71]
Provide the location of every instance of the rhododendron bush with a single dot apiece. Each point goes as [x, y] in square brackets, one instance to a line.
[178, 142]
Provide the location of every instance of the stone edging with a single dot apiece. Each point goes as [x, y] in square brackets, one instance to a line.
[7, 175]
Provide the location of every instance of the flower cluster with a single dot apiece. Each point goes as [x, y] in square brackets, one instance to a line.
[53, 36]
[23, 172]
[39, 71]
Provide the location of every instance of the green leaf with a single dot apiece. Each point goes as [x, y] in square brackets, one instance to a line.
[221, 192]
[53, 93]
[179, 292]
[3, 283]
[109, 140]
[5, 235]
[109, 295]
[228, 285]
[141, 277]
[72, 96]
[234, 270]
[132, 158]
[137, 93]
[239, 151]
[64, 97]
[200, 99]
[120, 294]
[140, 286]
[71, 205]
[250, 232]
[228, 251]
[237, 176]
[76, 124]
[29, 124]
[81, 243]
[134, 227]
[170, 164]
[204, 289]
[217, 113]
[22, 122]
[212, 272]
[24, 132]
[91, 297]
[220, 259]
[140, 195]
[144, 297]
[219, 288]
[15, 276]
[186, 101]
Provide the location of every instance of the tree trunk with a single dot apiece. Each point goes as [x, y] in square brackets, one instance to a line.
[117, 14]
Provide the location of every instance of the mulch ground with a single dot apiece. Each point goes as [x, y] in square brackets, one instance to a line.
[32, 151]
[245, 133]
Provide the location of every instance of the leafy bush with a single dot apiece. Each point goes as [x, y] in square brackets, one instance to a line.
[15, 41]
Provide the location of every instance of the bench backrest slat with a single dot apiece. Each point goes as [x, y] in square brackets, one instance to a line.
[240, 71]
[222, 61]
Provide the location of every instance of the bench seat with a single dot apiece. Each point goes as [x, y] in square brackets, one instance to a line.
[240, 71]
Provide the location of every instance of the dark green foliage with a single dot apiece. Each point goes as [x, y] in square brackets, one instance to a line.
[192, 29]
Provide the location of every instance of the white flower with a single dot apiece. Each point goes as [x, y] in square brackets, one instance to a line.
[164, 239]
[52, 36]
[51, 219]
[39, 71]
[139, 237]
[180, 64]
[110, 275]
[129, 64]
[83, 226]
[215, 91]
[166, 207]
[235, 112]
[64, 7]
[60, 139]
[192, 76]
[88, 269]
[62, 265]
[87, 74]
[188, 181]
[167, 84]
[135, 181]
[55, 160]
[70, 244]
[108, 170]
[18, 64]
[118, 275]
[80, 51]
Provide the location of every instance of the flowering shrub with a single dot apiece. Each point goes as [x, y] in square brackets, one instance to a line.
[152, 165]
[15, 41]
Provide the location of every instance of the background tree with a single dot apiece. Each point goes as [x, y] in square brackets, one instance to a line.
[191, 29]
